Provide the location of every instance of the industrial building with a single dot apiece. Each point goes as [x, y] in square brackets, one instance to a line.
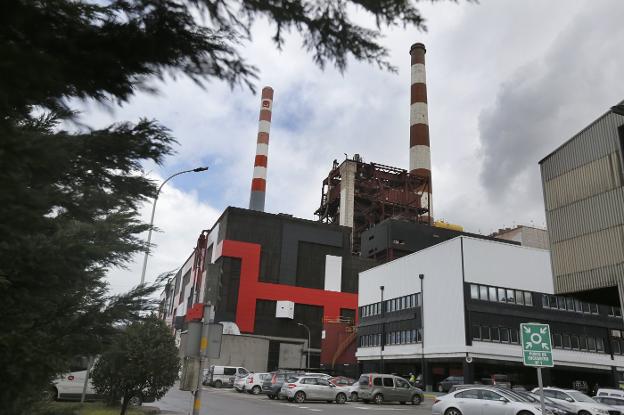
[266, 273]
[584, 201]
[525, 236]
[359, 195]
[467, 310]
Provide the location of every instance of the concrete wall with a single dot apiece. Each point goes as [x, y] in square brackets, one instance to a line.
[250, 352]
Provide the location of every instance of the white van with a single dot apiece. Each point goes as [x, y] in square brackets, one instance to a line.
[617, 393]
[219, 376]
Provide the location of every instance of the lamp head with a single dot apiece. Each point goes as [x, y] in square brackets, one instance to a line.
[198, 169]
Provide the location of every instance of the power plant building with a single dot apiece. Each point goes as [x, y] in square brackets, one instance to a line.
[583, 183]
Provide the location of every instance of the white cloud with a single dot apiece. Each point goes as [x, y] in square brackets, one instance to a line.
[558, 62]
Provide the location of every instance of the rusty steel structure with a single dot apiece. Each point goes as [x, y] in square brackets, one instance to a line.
[360, 195]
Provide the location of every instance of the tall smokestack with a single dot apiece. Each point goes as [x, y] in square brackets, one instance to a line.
[258, 183]
[420, 154]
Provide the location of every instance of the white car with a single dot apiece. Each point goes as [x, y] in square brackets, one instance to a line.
[618, 393]
[612, 401]
[240, 382]
[313, 388]
[69, 387]
[253, 384]
[354, 392]
[484, 401]
[578, 401]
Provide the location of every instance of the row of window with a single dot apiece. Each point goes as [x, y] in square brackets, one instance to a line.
[494, 334]
[392, 338]
[574, 342]
[370, 340]
[557, 302]
[404, 337]
[615, 312]
[394, 304]
[500, 295]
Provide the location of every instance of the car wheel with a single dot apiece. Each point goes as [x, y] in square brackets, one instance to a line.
[135, 401]
[452, 411]
[218, 384]
[50, 394]
[416, 400]
[341, 398]
[378, 399]
[440, 388]
[300, 397]
[354, 396]
[256, 390]
[581, 413]
[271, 396]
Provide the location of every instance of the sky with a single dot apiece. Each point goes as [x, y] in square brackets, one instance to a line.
[507, 83]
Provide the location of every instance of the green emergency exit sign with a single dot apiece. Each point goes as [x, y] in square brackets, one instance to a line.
[536, 345]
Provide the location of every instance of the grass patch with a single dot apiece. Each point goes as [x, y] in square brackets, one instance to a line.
[89, 408]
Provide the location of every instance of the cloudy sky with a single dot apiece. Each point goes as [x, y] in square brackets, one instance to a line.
[507, 82]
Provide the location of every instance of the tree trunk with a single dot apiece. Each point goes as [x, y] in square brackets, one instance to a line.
[124, 405]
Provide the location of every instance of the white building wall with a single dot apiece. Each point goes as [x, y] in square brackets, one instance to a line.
[505, 265]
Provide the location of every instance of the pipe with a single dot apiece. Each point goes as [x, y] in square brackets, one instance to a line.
[258, 183]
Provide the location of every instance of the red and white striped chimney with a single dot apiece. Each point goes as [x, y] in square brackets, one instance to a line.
[258, 183]
[420, 154]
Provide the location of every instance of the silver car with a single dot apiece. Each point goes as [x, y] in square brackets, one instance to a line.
[387, 388]
[313, 388]
[484, 401]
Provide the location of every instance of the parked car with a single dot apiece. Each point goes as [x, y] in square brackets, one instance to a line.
[272, 385]
[619, 393]
[313, 388]
[219, 376]
[388, 388]
[552, 406]
[578, 401]
[612, 401]
[497, 380]
[484, 400]
[69, 387]
[254, 382]
[456, 388]
[239, 383]
[342, 381]
[446, 384]
[354, 392]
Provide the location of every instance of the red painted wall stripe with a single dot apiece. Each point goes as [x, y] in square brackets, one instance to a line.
[258, 185]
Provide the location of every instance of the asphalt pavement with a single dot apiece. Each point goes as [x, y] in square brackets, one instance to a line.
[230, 402]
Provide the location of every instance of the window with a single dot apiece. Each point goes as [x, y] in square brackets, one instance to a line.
[476, 332]
[545, 302]
[528, 298]
[577, 306]
[560, 303]
[400, 383]
[616, 347]
[514, 336]
[419, 333]
[566, 341]
[322, 382]
[574, 340]
[489, 395]
[600, 345]
[492, 291]
[468, 394]
[519, 297]
[594, 308]
[557, 342]
[583, 343]
[501, 295]
[377, 381]
[585, 307]
[511, 298]
[495, 334]
[483, 293]
[363, 380]
[229, 371]
[504, 335]
[570, 303]
[389, 382]
[591, 344]
[485, 333]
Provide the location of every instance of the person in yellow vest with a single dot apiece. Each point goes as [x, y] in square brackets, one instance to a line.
[412, 378]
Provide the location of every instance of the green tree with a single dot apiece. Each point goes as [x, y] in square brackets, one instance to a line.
[142, 361]
[68, 193]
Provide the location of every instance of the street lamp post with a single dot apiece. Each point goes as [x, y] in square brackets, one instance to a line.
[309, 341]
[149, 232]
[383, 330]
[422, 328]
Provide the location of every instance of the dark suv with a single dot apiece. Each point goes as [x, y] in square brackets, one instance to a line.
[273, 384]
[447, 383]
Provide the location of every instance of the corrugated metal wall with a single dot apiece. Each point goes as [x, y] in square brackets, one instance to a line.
[584, 201]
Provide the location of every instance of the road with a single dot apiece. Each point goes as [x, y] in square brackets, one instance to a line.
[229, 402]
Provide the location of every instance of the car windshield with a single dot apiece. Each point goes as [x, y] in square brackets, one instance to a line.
[292, 379]
[580, 397]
